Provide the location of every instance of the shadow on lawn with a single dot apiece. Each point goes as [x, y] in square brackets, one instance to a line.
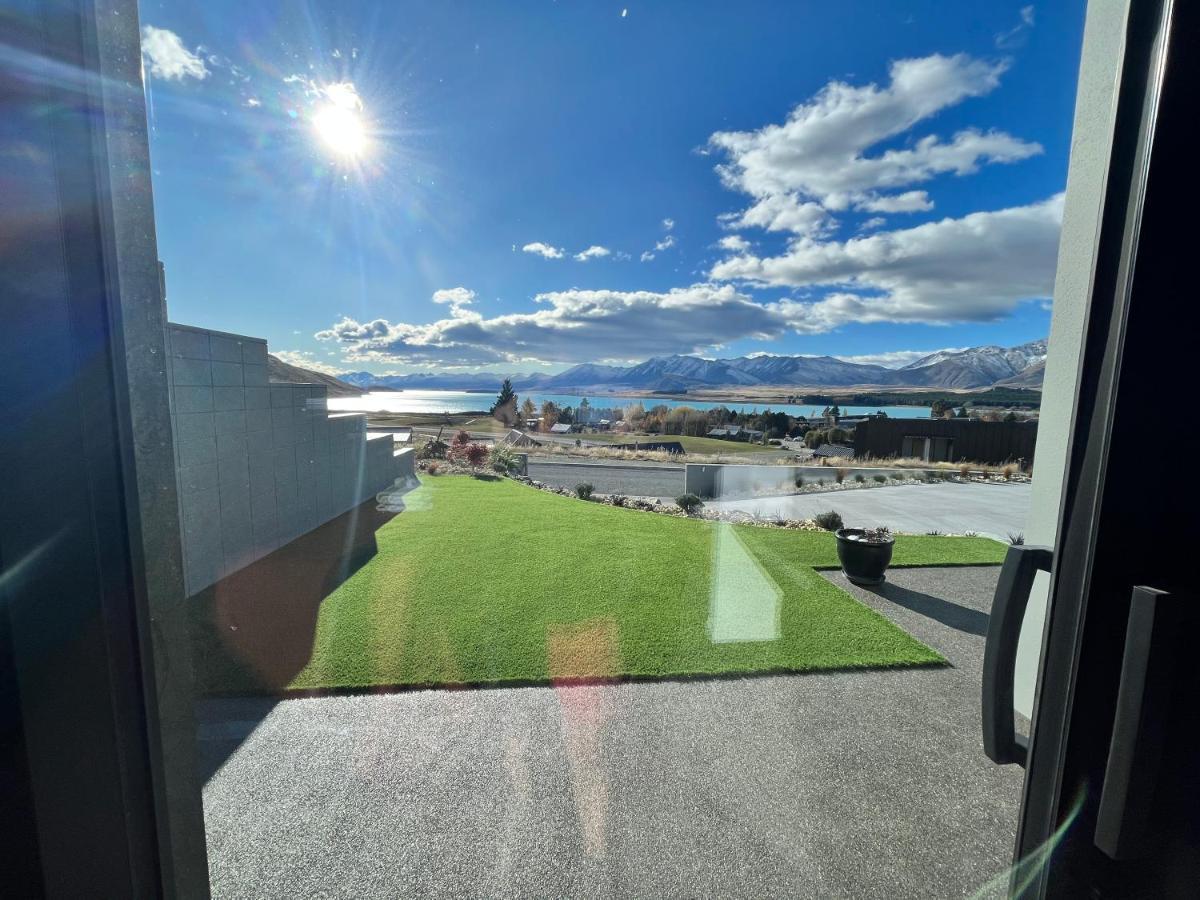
[253, 631]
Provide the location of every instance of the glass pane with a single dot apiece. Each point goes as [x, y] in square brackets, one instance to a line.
[598, 430]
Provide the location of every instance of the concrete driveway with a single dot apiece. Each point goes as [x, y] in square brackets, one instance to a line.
[995, 510]
[852, 784]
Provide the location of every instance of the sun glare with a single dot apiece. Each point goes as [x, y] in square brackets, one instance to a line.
[339, 122]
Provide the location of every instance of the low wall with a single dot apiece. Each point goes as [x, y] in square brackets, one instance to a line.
[725, 482]
[258, 464]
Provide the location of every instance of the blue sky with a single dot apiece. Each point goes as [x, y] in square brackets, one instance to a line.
[853, 179]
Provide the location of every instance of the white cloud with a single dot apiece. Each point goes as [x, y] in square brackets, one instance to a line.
[976, 268]
[896, 359]
[570, 326]
[668, 224]
[909, 201]
[306, 360]
[168, 58]
[456, 298]
[544, 250]
[666, 243]
[646, 256]
[819, 153]
[782, 212]
[872, 223]
[734, 242]
[593, 252]
[1017, 35]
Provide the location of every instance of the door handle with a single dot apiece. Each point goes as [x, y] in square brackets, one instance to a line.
[1144, 709]
[1021, 564]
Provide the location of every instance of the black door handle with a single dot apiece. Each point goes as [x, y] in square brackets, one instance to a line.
[1158, 621]
[1000, 653]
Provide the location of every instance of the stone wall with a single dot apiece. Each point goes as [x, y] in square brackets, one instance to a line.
[258, 464]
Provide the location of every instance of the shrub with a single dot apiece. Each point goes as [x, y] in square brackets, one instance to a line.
[435, 449]
[964, 471]
[689, 503]
[1017, 538]
[433, 468]
[899, 476]
[461, 438]
[830, 520]
[584, 491]
[840, 475]
[859, 479]
[617, 499]
[881, 479]
[504, 460]
[475, 455]
[935, 533]
[1008, 473]
[799, 481]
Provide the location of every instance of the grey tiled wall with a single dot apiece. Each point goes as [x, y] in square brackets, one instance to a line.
[258, 464]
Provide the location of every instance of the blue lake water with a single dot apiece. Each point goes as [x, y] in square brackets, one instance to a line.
[464, 401]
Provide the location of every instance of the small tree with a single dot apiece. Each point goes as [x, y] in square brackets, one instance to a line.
[584, 491]
[689, 503]
[528, 410]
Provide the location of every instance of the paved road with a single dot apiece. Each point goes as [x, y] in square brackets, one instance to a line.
[996, 510]
[629, 479]
[852, 784]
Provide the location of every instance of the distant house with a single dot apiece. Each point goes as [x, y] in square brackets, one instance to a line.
[947, 440]
[735, 433]
[561, 428]
[533, 424]
[604, 425]
[516, 438]
[833, 451]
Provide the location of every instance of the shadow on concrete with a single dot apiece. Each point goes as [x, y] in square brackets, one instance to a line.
[253, 631]
[960, 618]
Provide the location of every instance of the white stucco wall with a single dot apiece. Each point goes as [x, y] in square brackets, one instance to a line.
[1095, 110]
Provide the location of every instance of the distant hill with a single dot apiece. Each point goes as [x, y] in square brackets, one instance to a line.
[975, 367]
[278, 370]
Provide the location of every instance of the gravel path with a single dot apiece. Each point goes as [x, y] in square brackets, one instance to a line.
[865, 784]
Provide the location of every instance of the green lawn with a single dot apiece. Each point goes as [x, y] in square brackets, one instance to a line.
[494, 582]
[690, 444]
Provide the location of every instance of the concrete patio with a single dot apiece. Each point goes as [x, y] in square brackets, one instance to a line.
[865, 784]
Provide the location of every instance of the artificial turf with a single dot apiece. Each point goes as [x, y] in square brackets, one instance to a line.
[493, 582]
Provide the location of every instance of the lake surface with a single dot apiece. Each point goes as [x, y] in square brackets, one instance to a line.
[464, 401]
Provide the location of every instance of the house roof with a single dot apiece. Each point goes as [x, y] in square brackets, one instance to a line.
[834, 450]
[560, 428]
[717, 432]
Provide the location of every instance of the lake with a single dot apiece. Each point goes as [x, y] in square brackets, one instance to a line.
[465, 401]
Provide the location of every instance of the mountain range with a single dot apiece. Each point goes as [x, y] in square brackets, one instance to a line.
[975, 367]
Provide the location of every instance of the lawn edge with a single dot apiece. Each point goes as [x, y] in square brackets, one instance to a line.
[600, 681]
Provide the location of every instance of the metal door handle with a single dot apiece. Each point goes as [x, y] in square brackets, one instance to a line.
[1000, 653]
[1157, 620]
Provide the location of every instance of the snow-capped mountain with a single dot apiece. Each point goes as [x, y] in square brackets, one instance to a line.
[977, 366]
[971, 368]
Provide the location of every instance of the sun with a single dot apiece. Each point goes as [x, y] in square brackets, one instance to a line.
[341, 130]
[339, 123]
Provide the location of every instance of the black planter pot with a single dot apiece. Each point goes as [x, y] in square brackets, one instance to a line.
[863, 563]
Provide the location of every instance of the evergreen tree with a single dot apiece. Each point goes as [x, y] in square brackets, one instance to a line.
[506, 396]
